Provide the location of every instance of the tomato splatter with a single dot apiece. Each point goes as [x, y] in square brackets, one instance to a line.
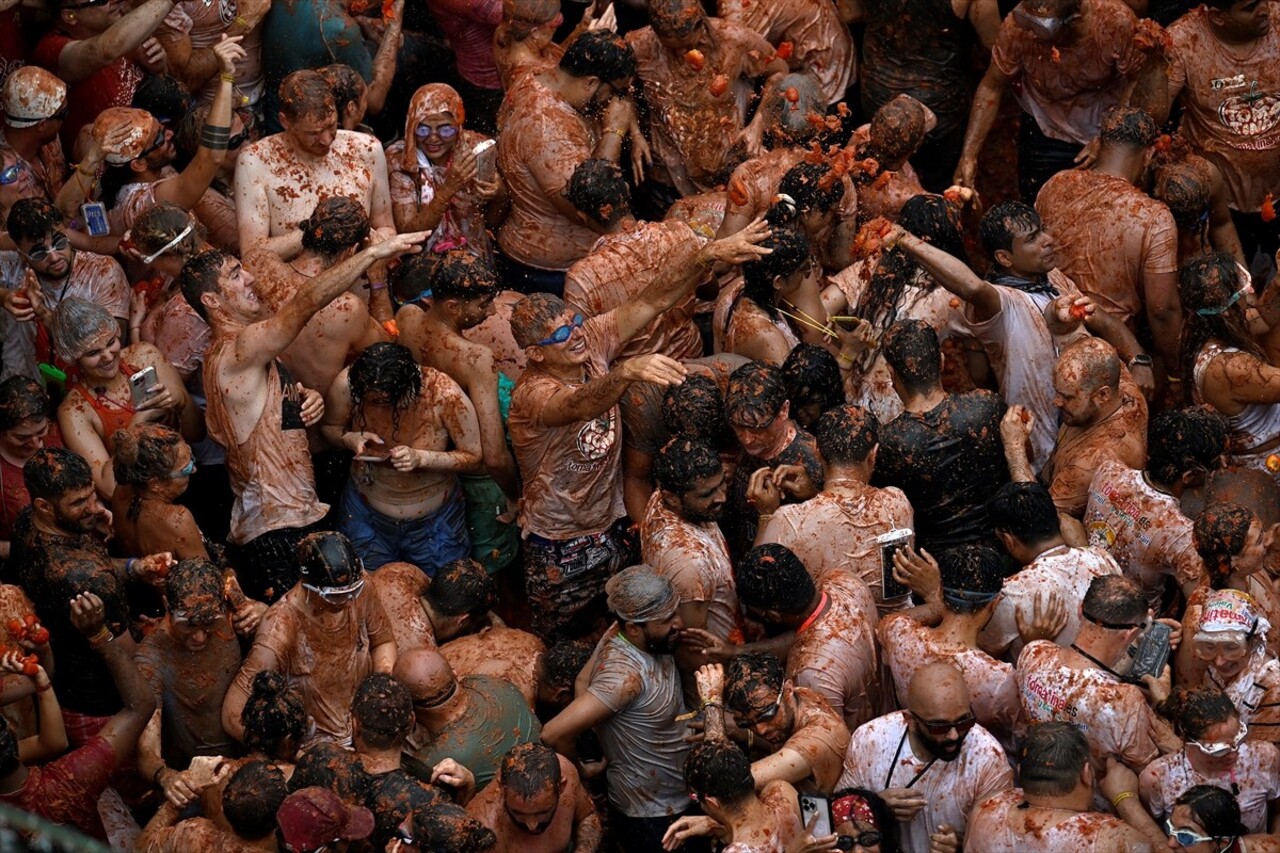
[695, 60]
[784, 50]
[1080, 311]
[1268, 209]
[719, 85]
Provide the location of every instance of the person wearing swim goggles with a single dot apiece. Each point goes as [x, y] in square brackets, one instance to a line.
[1206, 819]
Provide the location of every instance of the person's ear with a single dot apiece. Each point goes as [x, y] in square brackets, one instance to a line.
[785, 411]
[1008, 540]
[1003, 257]
[563, 783]
[138, 164]
[209, 300]
[44, 506]
[68, 17]
[669, 500]
[284, 122]
[533, 354]
[1087, 775]
[871, 457]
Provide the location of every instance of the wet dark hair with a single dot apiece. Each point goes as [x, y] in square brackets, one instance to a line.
[459, 274]
[446, 828]
[719, 769]
[1206, 283]
[304, 94]
[812, 186]
[1185, 439]
[1179, 186]
[164, 96]
[695, 409]
[1194, 712]
[252, 797]
[384, 709]
[682, 462]
[812, 377]
[345, 82]
[599, 53]
[31, 220]
[932, 219]
[462, 588]
[386, 369]
[846, 435]
[1132, 127]
[748, 673]
[563, 661]
[675, 17]
[771, 577]
[757, 389]
[597, 190]
[392, 797]
[22, 399]
[896, 131]
[911, 348]
[414, 275]
[1025, 511]
[200, 276]
[970, 568]
[531, 317]
[1051, 758]
[326, 764]
[529, 768]
[193, 581]
[885, 820]
[158, 225]
[790, 253]
[1219, 533]
[1214, 808]
[336, 224]
[272, 715]
[141, 453]
[54, 471]
[1006, 222]
[326, 558]
[1116, 600]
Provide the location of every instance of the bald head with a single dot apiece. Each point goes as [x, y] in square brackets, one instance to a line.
[938, 692]
[427, 675]
[1090, 364]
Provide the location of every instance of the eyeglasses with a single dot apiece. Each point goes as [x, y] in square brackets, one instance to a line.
[767, 714]
[187, 471]
[563, 333]
[239, 139]
[39, 253]
[1231, 650]
[336, 595]
[444, 131]
[756, 427]
[1216, 750]
[1185, 837]
[1113, 626]
[436, 701]
[10, 175]
[942, 727]
[161, 138]
[862, 839]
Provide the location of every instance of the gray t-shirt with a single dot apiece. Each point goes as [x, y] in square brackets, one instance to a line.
[643, 741]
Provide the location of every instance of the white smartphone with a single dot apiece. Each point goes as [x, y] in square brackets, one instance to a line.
[486, 160]
[890, 543]
[141, 383]
[811, 804]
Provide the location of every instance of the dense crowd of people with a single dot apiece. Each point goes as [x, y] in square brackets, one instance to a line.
[770, 426]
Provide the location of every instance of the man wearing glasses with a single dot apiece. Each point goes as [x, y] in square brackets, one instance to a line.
[325, 635]
[931, 763]
[1078, 684]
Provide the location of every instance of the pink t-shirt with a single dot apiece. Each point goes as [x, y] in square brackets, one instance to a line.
[468, 26]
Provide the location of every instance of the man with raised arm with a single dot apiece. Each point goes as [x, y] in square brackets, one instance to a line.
[258, 413]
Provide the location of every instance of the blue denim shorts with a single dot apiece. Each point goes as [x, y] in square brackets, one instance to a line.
[428, 542]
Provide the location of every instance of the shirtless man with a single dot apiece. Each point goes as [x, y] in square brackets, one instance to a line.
[1136, 514]
[797, 736]
[331, 234]
[835, 533]
[538, 805]
[255, 410]
[463, 289]
[427, 612]
[1104, 418]
[895, 133]
[280, 179]
[719, 775]
[412, 430]
[931, 762]
[1053, 810]
[1128, 265]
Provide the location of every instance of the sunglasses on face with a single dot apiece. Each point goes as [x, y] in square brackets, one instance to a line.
[563, 333]
[768, 713]
[1217, 750]
[11, 174]
[239, 139]
[942, 727]
[158, 143]
[444, 131]
[336, 595]
[862, 839]
[1185, 837]
[39, 253]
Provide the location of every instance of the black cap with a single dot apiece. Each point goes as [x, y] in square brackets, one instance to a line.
[326, 559]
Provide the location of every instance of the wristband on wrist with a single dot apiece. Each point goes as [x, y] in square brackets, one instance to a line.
[706, 703]
[376, 285]
[101, 638]
[621, 134]
[1121, 797]
[242, 22]
[215, 138]
[45, 688]
[155, 777]
[128, 566]
[227, 78]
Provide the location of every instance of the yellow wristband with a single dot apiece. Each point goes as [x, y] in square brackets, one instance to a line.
[228, 78]
[242, 22]
[1121, 797]
[621, 134]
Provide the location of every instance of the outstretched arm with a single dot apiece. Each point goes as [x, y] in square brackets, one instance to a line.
[122, 731]
[982, 115]
[950, 272]
[83, 57]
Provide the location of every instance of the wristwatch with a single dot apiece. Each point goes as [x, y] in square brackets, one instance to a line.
[1140, 360]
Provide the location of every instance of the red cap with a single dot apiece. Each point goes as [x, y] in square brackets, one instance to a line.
[313, 817]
